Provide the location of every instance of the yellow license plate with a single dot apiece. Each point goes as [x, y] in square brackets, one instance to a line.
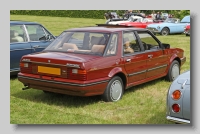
[49, 70]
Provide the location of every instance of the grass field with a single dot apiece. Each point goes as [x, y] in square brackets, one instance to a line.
[142, 104]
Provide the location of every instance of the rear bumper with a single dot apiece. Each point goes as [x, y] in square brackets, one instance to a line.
[63, 86]
[183, 60]
[178, 120]
[187, 32]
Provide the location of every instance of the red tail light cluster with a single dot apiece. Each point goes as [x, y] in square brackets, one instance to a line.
[176, 108]
[25, 67]
[76, 74]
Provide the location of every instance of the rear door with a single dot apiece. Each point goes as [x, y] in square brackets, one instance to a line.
[157, 61]
[134, 58]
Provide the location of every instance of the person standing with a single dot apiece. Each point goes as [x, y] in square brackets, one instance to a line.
[158, 16]
[153, 15]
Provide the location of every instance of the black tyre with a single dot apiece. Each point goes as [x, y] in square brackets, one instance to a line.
[174, 71]
[114, 90]
[165, 31]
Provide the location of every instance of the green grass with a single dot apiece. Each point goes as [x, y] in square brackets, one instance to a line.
[142, 104]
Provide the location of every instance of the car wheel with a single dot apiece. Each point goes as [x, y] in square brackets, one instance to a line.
[174, 71]
[114, 90]
[165, 31]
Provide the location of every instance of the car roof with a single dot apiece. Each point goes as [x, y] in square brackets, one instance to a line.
[22, 22]
[105, 28]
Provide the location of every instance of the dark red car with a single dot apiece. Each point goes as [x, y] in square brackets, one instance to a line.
[187, 30]
[140, 24]
[100, 60]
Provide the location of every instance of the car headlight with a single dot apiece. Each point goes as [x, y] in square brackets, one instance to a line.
[158, 27]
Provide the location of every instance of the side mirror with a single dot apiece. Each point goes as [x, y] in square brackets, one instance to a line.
[166, 46]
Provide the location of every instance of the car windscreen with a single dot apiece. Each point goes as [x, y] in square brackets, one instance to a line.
[80, 42]
[186, 19]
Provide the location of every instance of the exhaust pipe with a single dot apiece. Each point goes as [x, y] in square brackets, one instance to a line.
[25, 87]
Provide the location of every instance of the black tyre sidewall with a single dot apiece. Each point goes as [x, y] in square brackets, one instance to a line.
[169, 76]
[106, 95]
[164, 29]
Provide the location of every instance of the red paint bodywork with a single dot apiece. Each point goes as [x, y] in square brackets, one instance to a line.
[99, 69]
[138, 24]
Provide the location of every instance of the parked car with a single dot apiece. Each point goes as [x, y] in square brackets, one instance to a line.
[169, 26]
[142, 23]
[178, 99]
[25, 38]
[187, 30]
[92, 61]
[131, 19]
[164, 16]
[112, 16]
[127, 15]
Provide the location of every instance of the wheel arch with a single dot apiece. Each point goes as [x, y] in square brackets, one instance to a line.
[123, 77]
[118, 71]
[165, 27]
[175, 58]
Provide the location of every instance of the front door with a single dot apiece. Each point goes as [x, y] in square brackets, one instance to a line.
[156, 59]
[38, 37]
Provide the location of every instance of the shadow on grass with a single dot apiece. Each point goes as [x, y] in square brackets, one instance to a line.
[141, 86]
[13, 77]
[39, 96]
[35, 95]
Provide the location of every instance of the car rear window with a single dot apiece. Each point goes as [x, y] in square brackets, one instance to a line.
[80, 42]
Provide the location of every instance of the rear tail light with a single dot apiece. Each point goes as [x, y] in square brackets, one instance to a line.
[25, 67]
[78, 71]
[176, 108]
[176, 95]
[22, 64]
[76, 74]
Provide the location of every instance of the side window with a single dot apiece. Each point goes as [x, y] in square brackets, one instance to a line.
[36, 32]
[112, 49]
[148, 41]
[17, 34]
[130, 43]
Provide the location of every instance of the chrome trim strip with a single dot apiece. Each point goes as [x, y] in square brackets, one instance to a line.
[64, 83]
[26, 49]
[178, 120]
[46, 63]
[14, 70]
[157, 67]
[137, 73]
[182, 86]
[21, 49]
[146, 70]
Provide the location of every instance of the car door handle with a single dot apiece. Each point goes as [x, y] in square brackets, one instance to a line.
[36, 46]
[150, 56]
[128, 60]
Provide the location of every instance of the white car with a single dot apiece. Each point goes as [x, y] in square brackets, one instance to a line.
[130, 19]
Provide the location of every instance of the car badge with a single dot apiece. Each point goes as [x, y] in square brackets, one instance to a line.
[49, 61]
